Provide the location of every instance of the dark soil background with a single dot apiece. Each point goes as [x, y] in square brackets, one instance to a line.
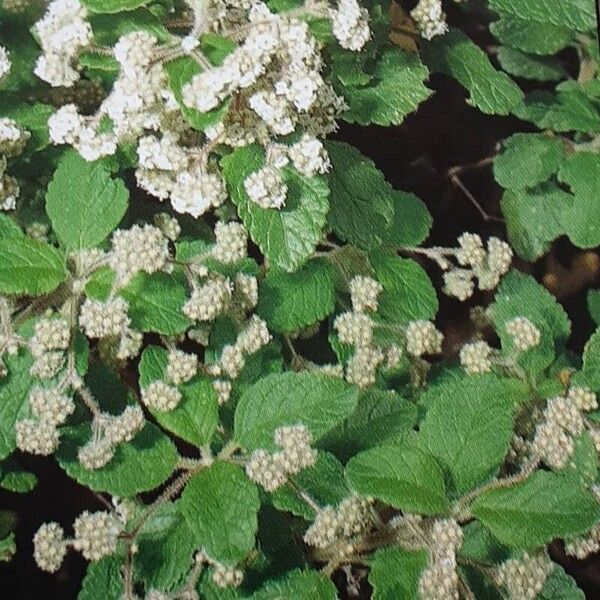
[416, 157]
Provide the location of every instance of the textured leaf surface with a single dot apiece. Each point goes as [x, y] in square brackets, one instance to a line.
[29, 267]
[83, 202]
[220, 505]
[591, 362]
[538, 68]
[291, 301]
[560, 586]
[196, 417]
[103, 580]
[318, 401]
[113, 6]
[298, 585]
[411, 223]
[395, 91]
[408, 293]
[469, 425]
[532, 513]
[286, 237]
[402, 476]
[490, 90]
[593, 302]
[395, 573]
[138, 466]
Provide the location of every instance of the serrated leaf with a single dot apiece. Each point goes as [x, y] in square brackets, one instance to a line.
[196, 417]
[298, 585]
[113, 6]
[83, 202]
[165, 550]
[395, 90]
[402, 476]
[411, 223]
[291, 301]
[590, 373]
[490, 90]
[575, 14]
[220, 505]
[137, 466]
[395, 573]
[318, 401]
[530, 36]
[28, 266]
[14, 389]
[537, 68]
[324, 482]
[33, 118]
[103, 580]
[560, 586]
[593, 304]
[109, 28]
[528, 159]
[286, 237]
[534, 219]
[9, 228]
[582, 173]
[408, 293]
[362, 207]
[156, 302]
[469, 425]
[532, 513]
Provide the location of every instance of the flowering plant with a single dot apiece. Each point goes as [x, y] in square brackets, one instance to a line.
[219, 320]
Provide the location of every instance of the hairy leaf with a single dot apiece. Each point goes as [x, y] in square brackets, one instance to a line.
[395, 573]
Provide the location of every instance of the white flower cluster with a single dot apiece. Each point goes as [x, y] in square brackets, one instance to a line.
[50, 339]
[5, 63]
[353, 515]
[181, 366]
[581, 548]
[429, 18]
[270, 85]
[210, 299]
[10, 341]
[12, 143]
[439, 581]
[476, 357]
[161, 396]
[525, 335]
[108, 431]
[562, 419]
[271, 471]
[523, 578]
[227, 577]
[62, 33]
[231, 242]
[95, 536]
[475, 263]
[422, 337]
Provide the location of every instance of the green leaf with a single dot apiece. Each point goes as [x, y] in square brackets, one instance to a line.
[593, 303]
[362, 201]
[8, 547]
[411, 223]
[196, 417]
[298, 585]
[324, 482]
[532, 513]
[527, 160]
[286, 237]
[109, 28]
[534, 219]
[33, 118]
[469, 425]
[113, 6]
[156, 302]
[29, 267]
[530, 36]
[291, 301]
[180, 71]
[408, 293]
[538, 68]
[318, 401]
[490, 90]
[14, 389]
[83, 202]
[9, 228]
[103, 580]
[137, 466]
[395, 573]
[220, 505]
[18, 481]
[402, 476]
[590, 372]
[165, 550]
[560, 586]
[481, 546]
[575, 14]
[581, 172]
[395, 90]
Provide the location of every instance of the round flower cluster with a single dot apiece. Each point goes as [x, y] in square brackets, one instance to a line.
[364, 292]
[524, 333]
[181, 366]
[422, 337]
[271, 471]
[51, 337]
[351, 516]
[5, 63]
[161, 396]
[429, 18]
[95, 536]
[12, 143]
[581, 548]
[231, 242]
[523, 578]
[224, 577]
[104, 319]
[209, 300]
[476, 357]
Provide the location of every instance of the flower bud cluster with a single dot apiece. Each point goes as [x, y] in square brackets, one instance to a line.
[181, 366]
[272, 470]
[95, 535]
[231, 242]
[5, 63]
[523, 578]
[525, 335]
[582, 547]
[209, 299]
[439, 581]
[476, 357]
[422, 337]
[429, 18]
[223, 576]
[51, 337]
[12, 143]
[352, 516]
